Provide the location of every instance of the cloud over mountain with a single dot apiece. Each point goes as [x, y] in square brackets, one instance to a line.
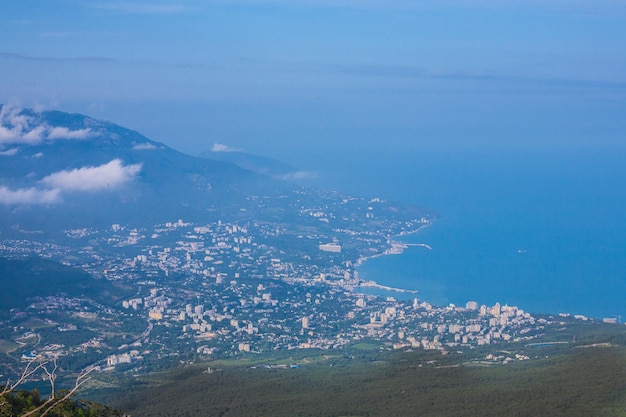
[144, 147]
[106, 176]
[298, 175]
[18, 127]
[28, 196]
[63, 170]
[65, 133]
[218, 147]
[9, 152]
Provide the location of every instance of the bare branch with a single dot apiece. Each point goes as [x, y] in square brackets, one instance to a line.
[52, 402]
[28, 371]
[51, 377]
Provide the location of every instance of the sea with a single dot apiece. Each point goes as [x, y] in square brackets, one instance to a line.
[540, 229]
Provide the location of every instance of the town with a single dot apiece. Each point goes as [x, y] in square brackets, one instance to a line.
[222, 289]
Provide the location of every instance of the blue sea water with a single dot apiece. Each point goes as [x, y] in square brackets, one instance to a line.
[543, 229]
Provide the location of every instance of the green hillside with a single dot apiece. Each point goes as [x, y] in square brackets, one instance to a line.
[582, 380]
[24, 279]
[25, 402]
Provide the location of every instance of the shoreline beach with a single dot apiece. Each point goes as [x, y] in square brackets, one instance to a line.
[395, 248]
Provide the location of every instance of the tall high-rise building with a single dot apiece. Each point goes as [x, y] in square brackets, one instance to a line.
[496, 309]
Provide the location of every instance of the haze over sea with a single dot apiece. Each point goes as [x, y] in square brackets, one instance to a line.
[543, 229]
[505, 117]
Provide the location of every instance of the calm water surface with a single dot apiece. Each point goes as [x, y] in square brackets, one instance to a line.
[543, 230]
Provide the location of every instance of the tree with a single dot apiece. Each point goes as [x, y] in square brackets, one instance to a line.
[27, 404]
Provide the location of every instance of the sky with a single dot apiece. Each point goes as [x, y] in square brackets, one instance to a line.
[291, 79]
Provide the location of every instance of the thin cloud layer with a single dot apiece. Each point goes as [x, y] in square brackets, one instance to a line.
[103, 177]
[146, 146]
[299, 175]
[28, 196]
[87, 179]
[65, 133]
[19, 128]
[9, 152]
[218, 147]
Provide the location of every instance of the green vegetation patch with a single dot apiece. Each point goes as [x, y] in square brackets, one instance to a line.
[36, 277]
[365, 346]
[7, 346]
[582, 382]
[30, 402]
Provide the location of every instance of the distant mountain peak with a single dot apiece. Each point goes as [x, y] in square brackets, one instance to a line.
[28, 127]
[259, 164]
[220, 147]
[64, 169]
[23, 129]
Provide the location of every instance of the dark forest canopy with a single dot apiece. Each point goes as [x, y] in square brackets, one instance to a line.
[24, 402]
[586, 380]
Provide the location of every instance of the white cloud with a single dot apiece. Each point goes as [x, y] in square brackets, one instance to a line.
[146, 146]
[20, 128]
[218, 147]
[35, 135]
[39, 107]
[107, 176]
[299, 175]
[5, 134]
[65, 133]
[28, 196]
[9, 152]
[13, 125]
[104, 177]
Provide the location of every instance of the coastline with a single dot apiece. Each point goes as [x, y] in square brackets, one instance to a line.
[574, 261]
[395, 247]
[373, 284]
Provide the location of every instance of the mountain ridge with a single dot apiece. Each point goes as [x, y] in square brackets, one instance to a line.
[76, 170]
[260, 164]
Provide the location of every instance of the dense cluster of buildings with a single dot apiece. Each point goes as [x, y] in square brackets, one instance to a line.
[235, 294]
[226, 289]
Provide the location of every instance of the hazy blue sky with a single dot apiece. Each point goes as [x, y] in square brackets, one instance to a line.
[279, 76]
